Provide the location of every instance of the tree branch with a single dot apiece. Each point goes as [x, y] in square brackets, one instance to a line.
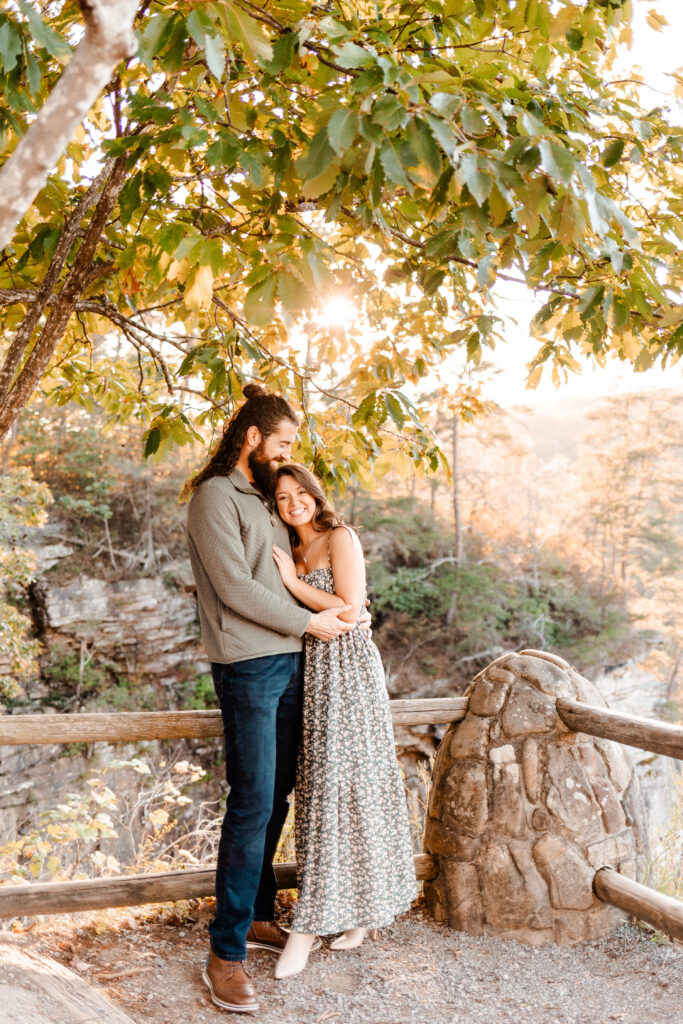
[108, 39]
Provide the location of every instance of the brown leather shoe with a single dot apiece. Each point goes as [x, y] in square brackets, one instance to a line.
[271, 936]
[230, 985]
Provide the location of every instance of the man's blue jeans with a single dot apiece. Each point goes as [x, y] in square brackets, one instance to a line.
[260, 701]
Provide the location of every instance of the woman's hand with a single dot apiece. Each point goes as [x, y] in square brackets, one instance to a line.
[285, 566]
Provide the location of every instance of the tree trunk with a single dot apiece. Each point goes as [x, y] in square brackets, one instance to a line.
[457, 516]
[108, 39]
[40, 299]
[19, 390]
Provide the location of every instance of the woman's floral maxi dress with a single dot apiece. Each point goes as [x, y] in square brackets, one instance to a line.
[354, 856]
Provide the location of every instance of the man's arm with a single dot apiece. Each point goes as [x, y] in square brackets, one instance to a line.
[214, 529]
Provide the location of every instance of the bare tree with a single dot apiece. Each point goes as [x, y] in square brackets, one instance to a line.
[108, 39]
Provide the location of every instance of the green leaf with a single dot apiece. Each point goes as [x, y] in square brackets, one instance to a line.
[294, 294]
[472, 121]
[351, 55]
[389, 113]
[170, 237]
[317, 157]
[395, 410]
[393, 167]
[568, 219]
[152, 440]
[259, 302]
[341, 129]
[427, 169]
[470, 172]
[214, 49]
[365, 410]
[206, 36]
[225, 151]
[283, 53]
[558, 161]
[443, 134]
[486, 274]
[445, 103]
[432, 280]
[155, 34]
[574, 39]
[43, 34]
[613, 153]
[590, 300]
[10, 45]
[255, 45]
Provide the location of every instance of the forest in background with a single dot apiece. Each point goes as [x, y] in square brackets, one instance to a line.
[560, 529]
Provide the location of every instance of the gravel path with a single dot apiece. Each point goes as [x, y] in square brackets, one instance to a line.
[415, 972]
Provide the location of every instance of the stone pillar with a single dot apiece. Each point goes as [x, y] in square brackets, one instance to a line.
[523, 811]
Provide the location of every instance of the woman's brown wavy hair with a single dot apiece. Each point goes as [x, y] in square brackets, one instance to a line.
[324, 517]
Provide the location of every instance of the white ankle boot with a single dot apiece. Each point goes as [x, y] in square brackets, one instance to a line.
[350, 939]
[294, 956]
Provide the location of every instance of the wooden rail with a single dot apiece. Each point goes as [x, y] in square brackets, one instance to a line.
[134, 890]
[664, 912]
[659, 737]
[171, 725]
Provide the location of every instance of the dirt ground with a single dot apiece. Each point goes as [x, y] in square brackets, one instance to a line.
[415, 972]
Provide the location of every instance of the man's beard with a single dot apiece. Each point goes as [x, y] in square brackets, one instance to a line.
[265, 477]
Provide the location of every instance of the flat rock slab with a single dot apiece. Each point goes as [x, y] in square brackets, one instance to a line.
[37, 990]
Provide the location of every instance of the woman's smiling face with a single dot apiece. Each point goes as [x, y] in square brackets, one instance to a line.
[295, 505]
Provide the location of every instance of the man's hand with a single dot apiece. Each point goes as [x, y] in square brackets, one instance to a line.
[327, 625]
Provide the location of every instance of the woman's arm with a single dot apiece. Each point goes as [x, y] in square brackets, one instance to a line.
[312, 597]
[348, 569]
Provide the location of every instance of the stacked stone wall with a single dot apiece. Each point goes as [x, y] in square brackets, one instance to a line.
[523, 811]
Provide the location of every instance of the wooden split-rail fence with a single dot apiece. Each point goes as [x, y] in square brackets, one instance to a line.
[661, 911]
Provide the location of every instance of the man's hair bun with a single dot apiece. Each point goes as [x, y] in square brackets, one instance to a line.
[254, 391]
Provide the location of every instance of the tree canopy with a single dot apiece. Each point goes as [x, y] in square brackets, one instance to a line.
[255, 162]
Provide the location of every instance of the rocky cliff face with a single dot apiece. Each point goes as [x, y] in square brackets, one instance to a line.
[145, 626]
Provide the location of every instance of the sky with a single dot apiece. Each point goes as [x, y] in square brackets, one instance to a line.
[656, 53]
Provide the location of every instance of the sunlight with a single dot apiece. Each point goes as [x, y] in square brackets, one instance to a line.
[338, 310]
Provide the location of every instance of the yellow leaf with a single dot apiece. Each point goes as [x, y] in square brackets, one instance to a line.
[656, 20]
[52, 864]
[564, 20]
[178, 271]
[534, 378]
[672, 316]
[366, 478]
[200, 292]
[630, 346]
[403, 465]
[315, 187]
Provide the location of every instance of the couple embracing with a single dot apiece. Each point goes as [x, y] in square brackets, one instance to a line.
[281, 591]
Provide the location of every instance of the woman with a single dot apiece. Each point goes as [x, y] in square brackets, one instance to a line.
[354, 854]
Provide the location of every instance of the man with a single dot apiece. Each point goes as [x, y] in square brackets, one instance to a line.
[252, 631]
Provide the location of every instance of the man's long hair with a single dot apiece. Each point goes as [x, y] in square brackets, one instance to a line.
[262, 409]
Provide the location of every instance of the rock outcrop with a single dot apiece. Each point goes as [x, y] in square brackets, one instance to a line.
[141, 624]
[523, 811]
